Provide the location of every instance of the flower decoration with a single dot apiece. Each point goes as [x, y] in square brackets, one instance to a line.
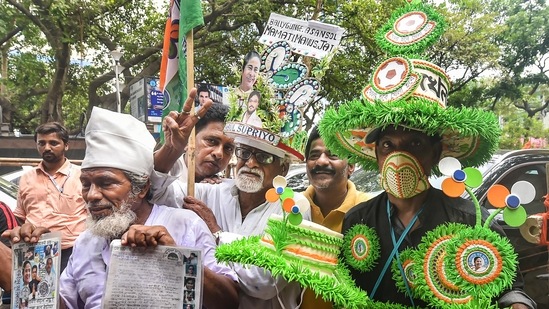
[458, 179]
[433, 283]
[409, 271]
[361, 247]
[293, 208]
[510, 202]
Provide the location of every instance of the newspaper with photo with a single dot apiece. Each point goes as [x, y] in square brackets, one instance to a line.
[35, 273]
[156, 277]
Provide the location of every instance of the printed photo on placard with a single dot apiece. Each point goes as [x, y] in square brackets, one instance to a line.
[217, 93]
[36, 273]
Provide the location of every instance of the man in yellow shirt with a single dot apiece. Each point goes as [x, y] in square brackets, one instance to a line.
[331, 194]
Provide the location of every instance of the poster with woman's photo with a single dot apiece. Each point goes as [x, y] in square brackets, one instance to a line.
[35, 273]
[161, 277]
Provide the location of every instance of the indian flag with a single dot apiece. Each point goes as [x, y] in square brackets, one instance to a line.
[184, 16]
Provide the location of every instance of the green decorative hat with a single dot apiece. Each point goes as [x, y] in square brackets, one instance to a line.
[410, 92]
[298, 250]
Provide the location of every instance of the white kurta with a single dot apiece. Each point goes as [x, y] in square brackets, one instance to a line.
[260, 289]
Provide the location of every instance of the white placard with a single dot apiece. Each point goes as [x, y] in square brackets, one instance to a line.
[159, 277]
[308, 38]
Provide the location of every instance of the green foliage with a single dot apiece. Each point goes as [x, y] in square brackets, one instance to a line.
[493, 50]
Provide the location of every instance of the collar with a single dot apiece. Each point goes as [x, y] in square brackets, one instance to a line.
[64, 169]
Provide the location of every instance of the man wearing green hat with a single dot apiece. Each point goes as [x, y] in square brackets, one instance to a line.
[403, 128]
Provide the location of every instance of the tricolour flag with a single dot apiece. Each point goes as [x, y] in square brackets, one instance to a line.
[184, 16]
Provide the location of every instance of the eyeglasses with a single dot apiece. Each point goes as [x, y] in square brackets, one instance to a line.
[261, 157]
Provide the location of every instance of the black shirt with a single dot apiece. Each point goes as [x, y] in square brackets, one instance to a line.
[438, 209]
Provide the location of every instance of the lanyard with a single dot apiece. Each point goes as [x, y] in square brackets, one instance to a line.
[60, 188]
[396, 245]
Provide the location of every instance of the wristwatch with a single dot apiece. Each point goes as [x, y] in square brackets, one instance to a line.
[217, 235]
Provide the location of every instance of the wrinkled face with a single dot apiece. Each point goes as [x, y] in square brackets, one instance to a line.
[326, 170]
[249, 74]
[213, 150]
[202, 96]
[418, 144]
[27, 273]
[110, 202]
[253, 103]
[51, 147]
[252, 176]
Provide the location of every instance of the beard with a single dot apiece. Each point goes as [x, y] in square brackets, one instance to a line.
[114, 225]
[249, 184]
[50, 157]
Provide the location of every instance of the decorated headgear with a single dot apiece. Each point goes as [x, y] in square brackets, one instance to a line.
[284, 90]
[410, 92]
[298, 250]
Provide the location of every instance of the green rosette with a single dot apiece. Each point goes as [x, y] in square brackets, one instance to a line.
[411, 270]
[338, 288]
[470, 135]
[411, 29]
[434, 284]
[361, 247]
[498, 266]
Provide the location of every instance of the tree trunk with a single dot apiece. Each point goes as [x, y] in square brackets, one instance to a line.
[53, 105]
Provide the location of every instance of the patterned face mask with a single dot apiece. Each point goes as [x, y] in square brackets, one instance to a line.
[402, 176]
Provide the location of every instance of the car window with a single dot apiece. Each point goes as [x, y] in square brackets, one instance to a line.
[534, 174]
[366, 181]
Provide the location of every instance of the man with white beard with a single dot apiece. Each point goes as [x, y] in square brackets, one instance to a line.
[115, 185]
[236, 207]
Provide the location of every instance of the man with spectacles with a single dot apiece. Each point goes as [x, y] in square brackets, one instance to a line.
[236, 207]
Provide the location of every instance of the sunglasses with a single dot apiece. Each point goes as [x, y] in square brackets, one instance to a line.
[260, 156]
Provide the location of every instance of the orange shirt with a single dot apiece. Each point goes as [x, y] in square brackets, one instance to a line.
[55, 203]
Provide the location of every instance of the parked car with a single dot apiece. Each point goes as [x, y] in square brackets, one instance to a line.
[8, 193]
[16, 175]
[505, 168]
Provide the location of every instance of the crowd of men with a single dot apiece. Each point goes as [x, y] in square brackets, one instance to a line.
[126, 190]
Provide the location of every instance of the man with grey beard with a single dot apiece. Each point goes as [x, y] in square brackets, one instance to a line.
[115, 185]
[235, 207]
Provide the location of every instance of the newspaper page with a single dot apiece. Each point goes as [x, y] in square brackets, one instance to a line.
[35, 273]
[161, 277]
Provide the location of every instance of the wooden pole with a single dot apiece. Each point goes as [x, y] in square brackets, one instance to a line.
[192, 143]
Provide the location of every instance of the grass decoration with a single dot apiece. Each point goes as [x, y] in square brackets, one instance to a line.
[422, 115]
[361, 247]
[502, 262]
[416, 43]
[339, 288]
[433, 285]
[410, 271]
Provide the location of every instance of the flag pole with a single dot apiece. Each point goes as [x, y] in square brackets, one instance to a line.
[192, 139]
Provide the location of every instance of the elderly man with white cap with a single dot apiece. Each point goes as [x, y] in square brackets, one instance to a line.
[115, 185]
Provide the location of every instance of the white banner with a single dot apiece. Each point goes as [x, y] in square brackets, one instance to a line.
[308, 38]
